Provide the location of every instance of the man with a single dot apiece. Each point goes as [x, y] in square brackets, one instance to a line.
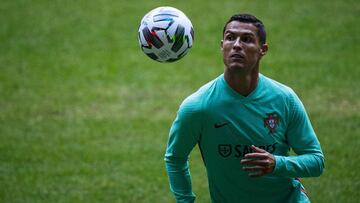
[244, 124]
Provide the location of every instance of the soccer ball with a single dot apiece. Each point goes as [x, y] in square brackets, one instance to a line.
[165, 34]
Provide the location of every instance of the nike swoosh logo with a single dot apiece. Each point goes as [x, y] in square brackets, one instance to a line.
[217, 125]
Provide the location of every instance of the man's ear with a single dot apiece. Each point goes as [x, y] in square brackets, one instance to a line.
[221, 45]
[263, 50]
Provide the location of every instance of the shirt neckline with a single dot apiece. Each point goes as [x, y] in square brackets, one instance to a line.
[240, 97]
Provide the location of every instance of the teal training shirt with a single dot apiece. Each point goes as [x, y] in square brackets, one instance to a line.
[225, 124]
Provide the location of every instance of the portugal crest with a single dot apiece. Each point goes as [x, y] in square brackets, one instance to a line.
[271, 122]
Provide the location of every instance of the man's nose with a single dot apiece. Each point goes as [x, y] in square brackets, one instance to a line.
[237, 43]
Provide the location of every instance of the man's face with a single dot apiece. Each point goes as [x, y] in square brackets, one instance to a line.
[241, 46]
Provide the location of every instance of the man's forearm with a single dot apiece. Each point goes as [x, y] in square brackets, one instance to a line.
[306, 165]
[180, 179]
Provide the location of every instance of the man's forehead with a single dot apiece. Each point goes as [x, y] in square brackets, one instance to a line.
[240, 27]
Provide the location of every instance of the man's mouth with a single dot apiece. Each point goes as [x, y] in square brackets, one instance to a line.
[237, 56]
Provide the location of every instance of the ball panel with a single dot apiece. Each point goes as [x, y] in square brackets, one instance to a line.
[152, 55]
[151, 38]
[179, 38]
[192, 34]
[164, 17]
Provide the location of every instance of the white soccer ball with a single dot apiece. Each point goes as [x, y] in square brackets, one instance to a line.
[166, 34]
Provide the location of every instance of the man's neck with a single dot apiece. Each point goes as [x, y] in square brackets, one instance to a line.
[242, 83]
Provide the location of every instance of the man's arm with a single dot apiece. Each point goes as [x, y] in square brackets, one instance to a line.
[309, 161]
[184, 135]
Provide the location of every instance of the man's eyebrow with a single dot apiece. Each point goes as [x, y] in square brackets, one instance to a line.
[228, 32]
[249, 34]
[242, 33]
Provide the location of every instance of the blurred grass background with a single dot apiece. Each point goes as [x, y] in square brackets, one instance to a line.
[84, 114]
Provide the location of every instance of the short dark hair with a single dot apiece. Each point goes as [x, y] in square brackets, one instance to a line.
[248, 18]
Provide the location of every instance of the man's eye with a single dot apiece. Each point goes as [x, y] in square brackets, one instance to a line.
[247, 39]
[230, 37]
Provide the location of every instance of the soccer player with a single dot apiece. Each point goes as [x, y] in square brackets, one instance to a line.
[244, 124]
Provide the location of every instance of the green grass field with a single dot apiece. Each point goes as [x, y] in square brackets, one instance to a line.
[84, 114]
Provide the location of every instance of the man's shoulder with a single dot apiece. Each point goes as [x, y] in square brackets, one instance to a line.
[196, 100]
[278, 88]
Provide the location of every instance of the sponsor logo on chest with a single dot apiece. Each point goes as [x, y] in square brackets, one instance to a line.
[271, 122]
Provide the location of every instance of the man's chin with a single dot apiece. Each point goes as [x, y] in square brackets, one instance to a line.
[237, 66]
